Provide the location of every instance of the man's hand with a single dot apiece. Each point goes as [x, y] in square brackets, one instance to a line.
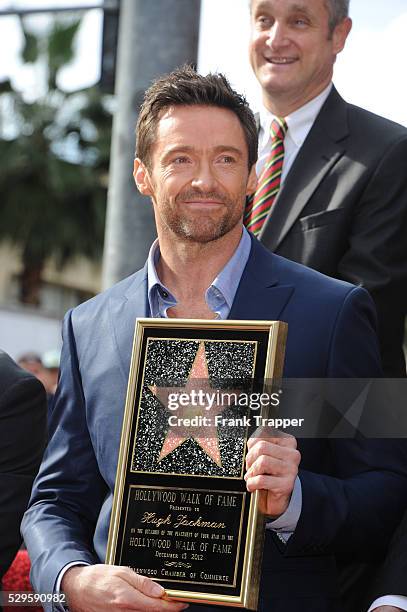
[96, 588]
[272, 467]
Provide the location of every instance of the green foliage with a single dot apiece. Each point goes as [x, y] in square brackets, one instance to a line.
[54, 170]
[30, 50]
[60, 48]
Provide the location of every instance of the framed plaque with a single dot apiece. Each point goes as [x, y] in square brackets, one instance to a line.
[181, 512]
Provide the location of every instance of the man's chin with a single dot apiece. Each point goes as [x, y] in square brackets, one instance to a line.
[275, 84]
[201, 237]
[202, 233]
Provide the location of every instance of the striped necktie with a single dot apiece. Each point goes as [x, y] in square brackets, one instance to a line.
[259, 205]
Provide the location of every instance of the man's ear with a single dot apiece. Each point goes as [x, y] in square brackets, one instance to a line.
[142, 178]
[251, 181]
[340, 34]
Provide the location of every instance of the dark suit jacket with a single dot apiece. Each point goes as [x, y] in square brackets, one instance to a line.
[392, 577]
[343, 211]
[344, 512]
[23, 412]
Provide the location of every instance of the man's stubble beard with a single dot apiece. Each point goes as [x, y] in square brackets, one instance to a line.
[199, 228]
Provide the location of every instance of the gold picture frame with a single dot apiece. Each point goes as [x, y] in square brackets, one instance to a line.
[181, 513]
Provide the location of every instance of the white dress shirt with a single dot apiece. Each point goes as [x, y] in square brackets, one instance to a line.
[299, 124]
[398, 601]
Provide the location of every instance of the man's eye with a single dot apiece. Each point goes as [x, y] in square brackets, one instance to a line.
[263, 22]
[227, 159]
[180, 160]
[301, 22]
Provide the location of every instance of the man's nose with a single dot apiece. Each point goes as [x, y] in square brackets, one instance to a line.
[204, 177]
[277, 36]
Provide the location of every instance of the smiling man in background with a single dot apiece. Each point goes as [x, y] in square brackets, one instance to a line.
[332, 187]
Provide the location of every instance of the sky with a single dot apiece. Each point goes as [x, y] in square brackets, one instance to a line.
[370, 72]
[84, 70]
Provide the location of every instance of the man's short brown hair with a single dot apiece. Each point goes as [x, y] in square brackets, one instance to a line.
[185, 87]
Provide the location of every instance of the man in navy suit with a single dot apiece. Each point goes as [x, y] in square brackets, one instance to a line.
[196, 150]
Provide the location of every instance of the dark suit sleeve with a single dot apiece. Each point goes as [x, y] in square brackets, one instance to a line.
[377, 254]
[23, 413]
[391, 579]
[69, 490]
[355, 512]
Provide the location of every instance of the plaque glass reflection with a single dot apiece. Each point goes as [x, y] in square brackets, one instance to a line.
[181, 512]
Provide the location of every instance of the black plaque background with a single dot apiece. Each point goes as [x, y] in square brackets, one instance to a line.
[212, 560]
[220, 484]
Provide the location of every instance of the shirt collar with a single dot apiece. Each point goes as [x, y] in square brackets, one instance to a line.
[229, 277]
[299, 122]
[155, 286]
[226, 282]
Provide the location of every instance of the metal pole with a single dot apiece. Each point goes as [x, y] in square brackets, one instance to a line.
[154, 38]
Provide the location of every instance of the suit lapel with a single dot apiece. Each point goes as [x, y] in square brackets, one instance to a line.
[261, 296]
[321, 150]
[124, 309]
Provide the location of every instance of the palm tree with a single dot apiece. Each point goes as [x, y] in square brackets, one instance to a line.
[54, 168]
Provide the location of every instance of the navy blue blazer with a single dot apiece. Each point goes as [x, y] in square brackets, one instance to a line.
[331, 333]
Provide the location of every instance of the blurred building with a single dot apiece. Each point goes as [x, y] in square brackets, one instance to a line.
[24, 328]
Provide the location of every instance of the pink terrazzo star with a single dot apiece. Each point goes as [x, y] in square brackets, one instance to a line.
[207, 438]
